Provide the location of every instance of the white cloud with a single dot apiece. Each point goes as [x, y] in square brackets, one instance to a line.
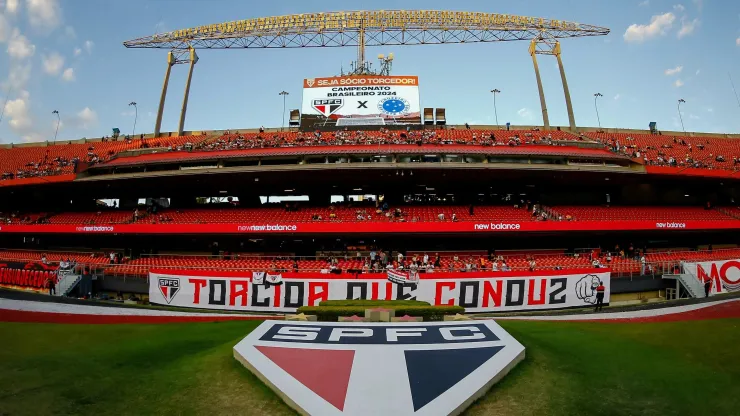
[659, 25]
[616, 97]
[525, 113]
[737, 42]
[68, 75]
[698, 71]
[644, 3]
[678, 83]
[53, 63]
[4, 29]
[44, 14]
[89, 46]
[710, 110]
[19, 114]
[11, 6]
[678, 7]
[693, 117]
[78, 51]
[86, 118]
[19, 47]
[18, 76]
[674, 71]
[687, 27]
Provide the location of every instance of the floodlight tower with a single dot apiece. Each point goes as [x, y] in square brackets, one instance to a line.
[386, 63]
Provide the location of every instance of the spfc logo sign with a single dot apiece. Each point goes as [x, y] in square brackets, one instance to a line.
[327, 106]
[310, 82]
[169, 288]
[331, 368]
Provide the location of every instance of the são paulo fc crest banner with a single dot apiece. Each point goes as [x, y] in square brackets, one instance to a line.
[286, 292]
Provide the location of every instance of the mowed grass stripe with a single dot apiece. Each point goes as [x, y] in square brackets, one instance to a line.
[677, 368]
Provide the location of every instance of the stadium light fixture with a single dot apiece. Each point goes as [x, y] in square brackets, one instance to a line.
[59, 120]
[681, 101]
[597, 95]
[495, 111]
[284, 94]
[136, 116]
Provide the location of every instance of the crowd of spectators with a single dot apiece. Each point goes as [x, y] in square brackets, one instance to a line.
[234, 141]
[694, 155]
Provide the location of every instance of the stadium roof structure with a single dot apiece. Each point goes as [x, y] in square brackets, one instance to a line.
[368, 28]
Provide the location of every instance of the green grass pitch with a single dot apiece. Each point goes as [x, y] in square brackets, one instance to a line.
[674, 368]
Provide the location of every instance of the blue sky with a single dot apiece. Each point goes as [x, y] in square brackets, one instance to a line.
[67, 55]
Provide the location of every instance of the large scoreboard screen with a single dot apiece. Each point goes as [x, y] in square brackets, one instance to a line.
[390, 98]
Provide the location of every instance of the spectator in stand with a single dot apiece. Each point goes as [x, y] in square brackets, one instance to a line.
[505, 267]
[43, 259]
[425, 259]
[532, 264]
[643, 261]
[437, 261]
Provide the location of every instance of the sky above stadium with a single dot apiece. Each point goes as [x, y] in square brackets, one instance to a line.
[68, 56]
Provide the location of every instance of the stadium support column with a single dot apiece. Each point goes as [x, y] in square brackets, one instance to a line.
[568, 104]
[193, 61]
[170, 63]
[533, 52]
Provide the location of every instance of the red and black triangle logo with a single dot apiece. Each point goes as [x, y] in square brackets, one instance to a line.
[328, 107]
[169, 288]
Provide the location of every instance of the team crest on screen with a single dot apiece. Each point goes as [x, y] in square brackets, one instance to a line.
[169, 288]
[327, 106]
[336, 368]
[310, 82]
[393, 106]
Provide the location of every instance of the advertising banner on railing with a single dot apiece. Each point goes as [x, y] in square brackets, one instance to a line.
[724, 275]
[476, 292]
[370, 227]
